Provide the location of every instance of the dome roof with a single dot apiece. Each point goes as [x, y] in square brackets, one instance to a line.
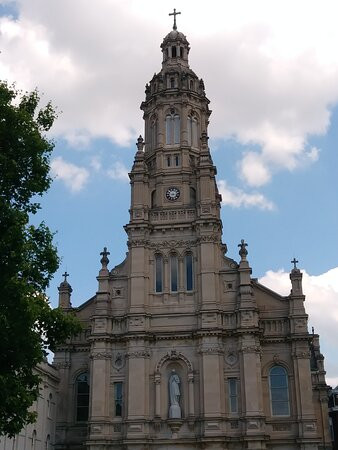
[175, 35]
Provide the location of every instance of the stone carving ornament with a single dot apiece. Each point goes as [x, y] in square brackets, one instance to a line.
[118, 361]
[231, 357]
[174, 396]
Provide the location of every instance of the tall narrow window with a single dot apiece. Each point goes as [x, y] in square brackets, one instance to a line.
[177, 160]
[168, 160]
[188, 272]
[279, 391]
[47, 443]
[158, 273]
[173, 273]
[82, 397]
[192, 126]
[233, 395]
[49, 405]
[173, 51]
[118, 398]
[192, 196]
[153, 199]
[33, 440]
[172, 123]
[169, 129]
[172, 83]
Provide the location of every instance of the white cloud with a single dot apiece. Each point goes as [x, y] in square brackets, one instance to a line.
[74, 177]
[118, 171]
[95, 163]
[253, 170]
[237, 198]
[322, 306]
[274, 85]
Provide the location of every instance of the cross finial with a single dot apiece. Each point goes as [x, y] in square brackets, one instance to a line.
[243, 251]
[66, 274]
[294, 262]
[174, 14]
[104, 259]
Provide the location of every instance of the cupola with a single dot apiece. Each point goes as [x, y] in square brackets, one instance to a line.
[175, 47]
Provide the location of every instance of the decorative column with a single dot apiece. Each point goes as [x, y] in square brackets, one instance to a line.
[191, 394]
[180, 261]
[166, 274]
[184, 123]
[300, 340]
[250, 361]
[157, 382]
[160, 127]
[138, 388]
[213, 385]
[100, 354]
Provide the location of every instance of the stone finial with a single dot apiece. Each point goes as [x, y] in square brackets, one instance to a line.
[140, 144]
[296, 279]
[104, 259]
[243, 251]
[65, 291]
[204, 138]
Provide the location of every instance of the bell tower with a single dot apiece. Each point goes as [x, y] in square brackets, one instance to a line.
[174, 196]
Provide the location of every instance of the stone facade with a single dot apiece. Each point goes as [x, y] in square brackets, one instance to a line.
[41, 434]
[248, 373]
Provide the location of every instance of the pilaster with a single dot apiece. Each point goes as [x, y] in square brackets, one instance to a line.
[100, 356]
[138, 388]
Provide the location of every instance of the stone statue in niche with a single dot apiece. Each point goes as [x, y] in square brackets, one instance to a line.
[174, 396]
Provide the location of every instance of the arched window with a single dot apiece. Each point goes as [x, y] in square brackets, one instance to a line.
[188, 272]
[192, 126]
[82, 397]
[173, 51]
[172, 122]
[158, 273]
[153, 134]
[192, 196]
[33, 440]
[153, 199]
[49, 405]
[191, 83]
[47, 443]
[173, 273]
[118, 398]
[279, 391]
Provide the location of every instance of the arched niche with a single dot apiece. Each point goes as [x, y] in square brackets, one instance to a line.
[174, 361]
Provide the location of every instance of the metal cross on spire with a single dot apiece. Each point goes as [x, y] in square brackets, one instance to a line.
[294, 262]
[174, 14]
[66, 274]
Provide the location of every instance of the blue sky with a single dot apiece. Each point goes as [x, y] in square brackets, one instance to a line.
[271, 75]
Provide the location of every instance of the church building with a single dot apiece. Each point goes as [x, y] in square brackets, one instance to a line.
[181, 349]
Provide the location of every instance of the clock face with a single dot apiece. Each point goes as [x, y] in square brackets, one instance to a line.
[172, 193]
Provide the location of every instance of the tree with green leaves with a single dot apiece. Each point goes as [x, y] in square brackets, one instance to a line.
[29, 327]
